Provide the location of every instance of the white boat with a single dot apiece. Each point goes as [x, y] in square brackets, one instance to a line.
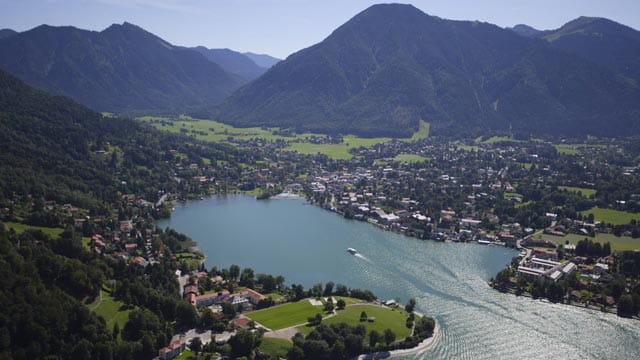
[352, 251]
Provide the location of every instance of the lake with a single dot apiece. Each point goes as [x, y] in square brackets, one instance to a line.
[308, 245]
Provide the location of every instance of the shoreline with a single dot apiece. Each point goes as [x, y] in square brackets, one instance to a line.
[424, 346]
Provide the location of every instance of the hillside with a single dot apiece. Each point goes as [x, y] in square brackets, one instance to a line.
[121, 69]
[57, 149]
[233, 62]
[602, 41]
[263, 60]
[392, 65]
[5, 33]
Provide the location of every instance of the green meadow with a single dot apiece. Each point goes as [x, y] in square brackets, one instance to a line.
[284, 316]
[209, 130]
[610, 216]
[586, 192]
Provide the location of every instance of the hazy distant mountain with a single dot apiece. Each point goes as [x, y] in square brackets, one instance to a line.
[262, 60]
[528, 31]
[233, 62]
[603, 41]
[392, 65]
[123, 68]
[5, 33]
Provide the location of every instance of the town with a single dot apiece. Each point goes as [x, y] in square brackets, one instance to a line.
[571, 207]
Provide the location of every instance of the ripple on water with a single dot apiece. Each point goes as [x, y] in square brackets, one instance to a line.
[449, 281]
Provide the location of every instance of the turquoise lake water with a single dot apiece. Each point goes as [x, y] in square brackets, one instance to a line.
[308, 245]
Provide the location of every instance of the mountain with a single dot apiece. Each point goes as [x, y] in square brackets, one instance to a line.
[392, 65]
[121, 69]
[528, 31]
[233, 62]
[262, 60]
[5, 33]
[603, 41]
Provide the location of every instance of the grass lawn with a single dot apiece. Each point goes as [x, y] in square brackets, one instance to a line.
[566, 149]
[586, 192]
[111, 310]
[348, 300]
[386, 318]
[609, 216]
[209, 130]
[465, 147]
[495, 139]
[334, 151]
[422, 133]
[274, 296]
[20, 228]
[410, 158]
[511, 195]
[621, 243]
[275, 347]
[188, 354]
[283, 316]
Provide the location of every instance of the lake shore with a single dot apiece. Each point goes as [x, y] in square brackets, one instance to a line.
[426, 345]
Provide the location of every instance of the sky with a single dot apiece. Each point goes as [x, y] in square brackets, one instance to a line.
[281, 27]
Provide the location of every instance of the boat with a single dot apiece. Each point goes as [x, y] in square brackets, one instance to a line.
[352, 251]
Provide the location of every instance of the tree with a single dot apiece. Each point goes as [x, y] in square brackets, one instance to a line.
[116, 330]
[389, 336]
[234, 272]
[341, 304]
[625, 305]
[243, 343]
[353, 344]
[247, 278]
[196, 344]
[410, 305]
[316, 290]
[328, 289]
[341, 290]
[207, 318]
[228, 310]
[295, 353]
[374, 338]
[186, 315]
[363, 316]
[328, 307]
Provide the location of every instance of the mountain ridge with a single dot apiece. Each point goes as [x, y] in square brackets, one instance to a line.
[123, 68]
[392, 65]
[233, 62]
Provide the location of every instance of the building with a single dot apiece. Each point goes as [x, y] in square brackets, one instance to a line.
[174, 349]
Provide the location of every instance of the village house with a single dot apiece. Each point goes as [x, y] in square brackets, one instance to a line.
[174, 349]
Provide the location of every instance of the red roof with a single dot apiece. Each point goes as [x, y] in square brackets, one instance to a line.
[241, 322]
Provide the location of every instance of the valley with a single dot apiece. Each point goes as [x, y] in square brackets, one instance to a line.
[403, 186]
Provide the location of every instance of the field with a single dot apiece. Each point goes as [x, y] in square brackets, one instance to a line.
[20, 228]
[283, 316]
[511, 195]
[566, 149]
[111, 310]
[51, 232]
[621, 243]
[586, 192]
[609, 216]
[209, 130]
[275, 347]
[334, 151]
[422, 133]
[410, 158]
[385, 318]
[494, 139]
